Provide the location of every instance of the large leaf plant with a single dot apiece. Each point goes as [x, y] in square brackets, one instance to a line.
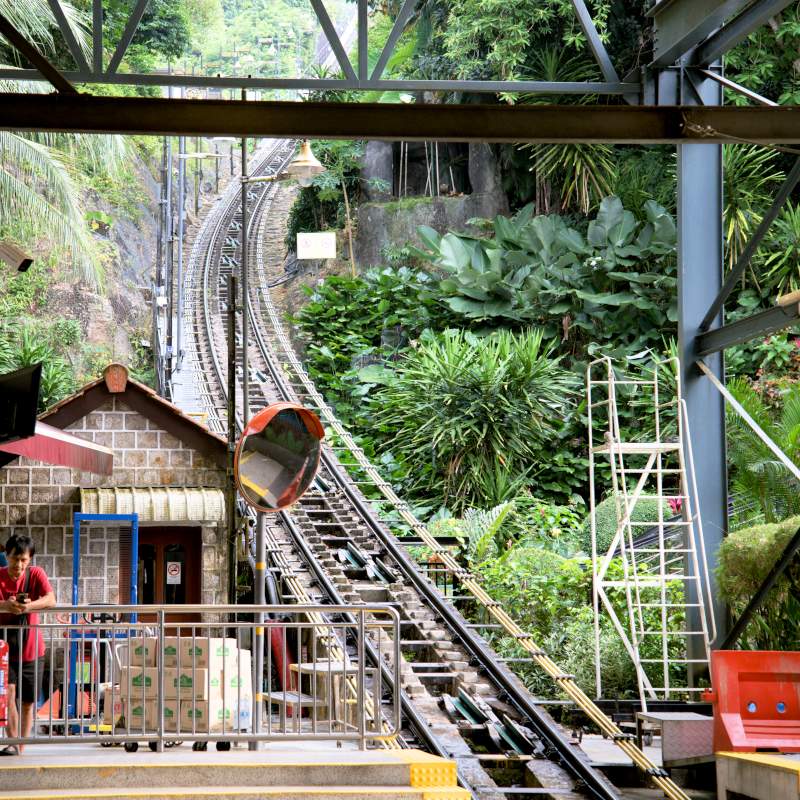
[538, 269]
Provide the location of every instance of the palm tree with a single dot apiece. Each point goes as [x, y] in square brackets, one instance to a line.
[38, 196]
[757, 477]
[581, 174]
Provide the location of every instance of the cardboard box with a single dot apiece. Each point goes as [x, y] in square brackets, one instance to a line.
[112, 715]
[203, 684]
[169, 657]
[143, 651]
[205, 651]
[133, 679]
[144, 715]
[214, 715]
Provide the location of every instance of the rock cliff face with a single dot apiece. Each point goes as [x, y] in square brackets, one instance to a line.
[383, 225]
[111, 318]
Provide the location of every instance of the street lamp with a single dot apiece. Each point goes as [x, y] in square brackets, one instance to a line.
[303, 168]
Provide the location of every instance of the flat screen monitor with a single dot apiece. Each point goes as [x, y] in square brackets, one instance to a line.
[19, 397]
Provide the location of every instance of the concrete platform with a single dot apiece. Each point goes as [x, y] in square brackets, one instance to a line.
[760, 776]
[81, 772]
[604, 753]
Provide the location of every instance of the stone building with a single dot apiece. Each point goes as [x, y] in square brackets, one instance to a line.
[167, 467]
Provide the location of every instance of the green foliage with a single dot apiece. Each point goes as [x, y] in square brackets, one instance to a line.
[350, 320]
[499, 40]
[607, 520]
[537, 269]
[553, 527]
[28, 346]
[750, 175]
[767, 488]
[782, 264]
[321, 206]
[462, 407]
[766, 60]
[744, 559]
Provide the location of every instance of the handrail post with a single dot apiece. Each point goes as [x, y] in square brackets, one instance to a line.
[360, 704]
[160, 651]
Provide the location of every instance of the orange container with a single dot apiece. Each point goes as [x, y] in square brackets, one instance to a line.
[756, 699]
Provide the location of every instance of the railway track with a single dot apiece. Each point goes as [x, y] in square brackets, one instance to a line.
[458, 698]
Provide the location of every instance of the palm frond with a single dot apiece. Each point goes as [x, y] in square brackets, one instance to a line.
[19, 203]
[35, 21]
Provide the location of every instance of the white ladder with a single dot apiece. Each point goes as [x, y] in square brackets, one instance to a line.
[653, 571]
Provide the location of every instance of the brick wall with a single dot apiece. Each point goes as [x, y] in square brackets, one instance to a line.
[40, 500]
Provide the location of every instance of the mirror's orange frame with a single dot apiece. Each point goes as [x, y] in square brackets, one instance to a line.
[256, 425]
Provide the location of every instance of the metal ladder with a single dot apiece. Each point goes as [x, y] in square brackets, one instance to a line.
[652, 572]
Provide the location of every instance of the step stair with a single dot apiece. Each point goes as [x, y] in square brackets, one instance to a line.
[279, 772]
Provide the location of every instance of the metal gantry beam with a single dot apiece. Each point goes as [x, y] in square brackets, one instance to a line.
[764, 323]
[357, 79]
[700, 260]
[681, 25]
[75, 48]
[737, 30]
[394, 122]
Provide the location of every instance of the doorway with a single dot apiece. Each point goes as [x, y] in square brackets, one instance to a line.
[169, 567]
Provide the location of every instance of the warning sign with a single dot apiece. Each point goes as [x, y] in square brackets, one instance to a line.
[174, 572]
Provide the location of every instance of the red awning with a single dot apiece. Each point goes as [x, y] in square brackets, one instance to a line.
[54, 446]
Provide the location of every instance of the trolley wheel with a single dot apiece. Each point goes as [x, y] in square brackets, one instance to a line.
[200, 747]
[223, 747]
[107, 744]
[153, 746]
[131, 747]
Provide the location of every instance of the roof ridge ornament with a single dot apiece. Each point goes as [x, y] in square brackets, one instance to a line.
[116, 378]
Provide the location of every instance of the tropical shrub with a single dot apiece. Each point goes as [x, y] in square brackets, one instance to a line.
[470, 413]
[350, 322]
[537, 269]
[766, 486]
[744, 559]
[646, 510]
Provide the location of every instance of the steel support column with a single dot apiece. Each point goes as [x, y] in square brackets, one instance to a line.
[245, 287]
[700, 258]
[179, 275]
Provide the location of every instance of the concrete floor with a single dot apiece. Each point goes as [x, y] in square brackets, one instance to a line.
[272, 753]
[603, 752]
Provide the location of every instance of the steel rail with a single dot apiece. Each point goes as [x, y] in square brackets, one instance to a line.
[501, 676]
[565, 682]
[335, 652]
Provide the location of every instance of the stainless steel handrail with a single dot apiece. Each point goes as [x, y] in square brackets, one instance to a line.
[343, 700]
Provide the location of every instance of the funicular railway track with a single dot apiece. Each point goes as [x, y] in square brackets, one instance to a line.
[458, 699]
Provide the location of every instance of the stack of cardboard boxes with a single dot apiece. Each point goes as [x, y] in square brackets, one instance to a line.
[207, 685]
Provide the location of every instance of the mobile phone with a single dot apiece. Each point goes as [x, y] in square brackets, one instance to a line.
[22, 597]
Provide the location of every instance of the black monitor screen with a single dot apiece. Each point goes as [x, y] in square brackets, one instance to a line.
[19, 396]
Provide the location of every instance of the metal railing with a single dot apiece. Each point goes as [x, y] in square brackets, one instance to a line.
[168, 674]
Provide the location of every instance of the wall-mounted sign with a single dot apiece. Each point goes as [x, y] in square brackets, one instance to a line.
[316, 246]
[173, 572]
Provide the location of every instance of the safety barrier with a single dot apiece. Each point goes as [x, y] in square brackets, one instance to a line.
[166, 674]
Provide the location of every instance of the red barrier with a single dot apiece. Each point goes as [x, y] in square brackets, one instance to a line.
[756, 699]
[3, 684]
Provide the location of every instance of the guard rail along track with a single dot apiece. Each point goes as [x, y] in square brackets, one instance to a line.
[497, 713]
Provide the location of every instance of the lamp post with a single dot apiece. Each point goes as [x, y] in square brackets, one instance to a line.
[183, 156]
[303, 168]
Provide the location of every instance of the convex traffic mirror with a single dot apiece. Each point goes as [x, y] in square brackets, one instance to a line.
[277, 456]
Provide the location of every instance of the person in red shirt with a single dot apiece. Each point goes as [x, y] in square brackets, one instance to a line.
[25, 668]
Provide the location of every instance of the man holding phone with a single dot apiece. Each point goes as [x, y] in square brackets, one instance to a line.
[24, 590]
